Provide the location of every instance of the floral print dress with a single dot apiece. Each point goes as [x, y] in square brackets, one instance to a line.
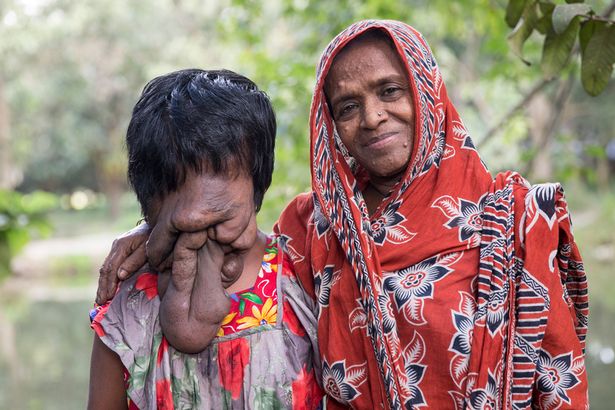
[262, 356]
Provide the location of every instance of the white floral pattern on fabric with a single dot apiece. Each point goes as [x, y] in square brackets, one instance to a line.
[410, 286]
[341, 382]
[557, 375]
[463, 214]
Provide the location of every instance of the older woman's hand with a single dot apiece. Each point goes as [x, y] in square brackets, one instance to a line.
[127, 255]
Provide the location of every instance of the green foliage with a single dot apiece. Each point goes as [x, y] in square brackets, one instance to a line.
[514, 10]
[523, 31]
[598, 56]
[557, 48]
[562, 24]
[71, 270]
[564, 14]
[73, 70]
[20, 217]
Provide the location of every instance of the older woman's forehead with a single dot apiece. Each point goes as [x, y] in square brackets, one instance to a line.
[372, 54]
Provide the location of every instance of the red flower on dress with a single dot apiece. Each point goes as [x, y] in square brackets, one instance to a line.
[164, 395]
[148, 282]
[233, 356]
[306, 392]
[162, 349]
[97, 314]
[292, 321]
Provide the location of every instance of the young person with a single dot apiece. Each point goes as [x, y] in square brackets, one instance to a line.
[206, 138]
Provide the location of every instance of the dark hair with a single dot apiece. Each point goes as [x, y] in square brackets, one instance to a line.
[196, 119]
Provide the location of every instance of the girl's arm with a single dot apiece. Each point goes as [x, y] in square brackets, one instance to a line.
[107, 390]
[194, 303]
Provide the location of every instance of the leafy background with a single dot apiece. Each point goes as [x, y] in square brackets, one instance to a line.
[522, 73]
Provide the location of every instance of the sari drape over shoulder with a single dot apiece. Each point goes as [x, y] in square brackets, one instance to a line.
[461, 290]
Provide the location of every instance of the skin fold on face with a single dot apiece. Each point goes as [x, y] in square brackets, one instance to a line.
[371, 102]
[220, 205]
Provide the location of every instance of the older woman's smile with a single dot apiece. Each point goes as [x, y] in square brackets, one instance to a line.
[381, 141]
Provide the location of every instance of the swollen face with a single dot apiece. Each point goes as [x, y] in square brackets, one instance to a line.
[221, 205]
[372, 107]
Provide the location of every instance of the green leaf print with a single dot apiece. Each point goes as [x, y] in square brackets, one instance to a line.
[242, 306]
[138, 372]
[266, 399]
[273, 249]
[227, 401]
[252, 297]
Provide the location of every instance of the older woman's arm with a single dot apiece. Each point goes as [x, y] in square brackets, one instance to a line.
[194, 302]
[107, 390]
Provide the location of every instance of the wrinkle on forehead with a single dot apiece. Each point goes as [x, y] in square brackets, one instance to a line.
[343, 75]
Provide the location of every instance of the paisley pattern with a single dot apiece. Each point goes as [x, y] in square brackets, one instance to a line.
[445, 294]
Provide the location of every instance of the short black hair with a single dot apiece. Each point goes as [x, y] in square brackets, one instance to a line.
[191, 119]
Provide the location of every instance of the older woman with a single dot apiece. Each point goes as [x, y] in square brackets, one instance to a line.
[436, 284]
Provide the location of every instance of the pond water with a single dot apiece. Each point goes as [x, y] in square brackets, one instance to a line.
[45, 353]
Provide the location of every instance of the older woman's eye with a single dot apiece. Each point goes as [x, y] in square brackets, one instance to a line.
[391, 90]
[346, 110]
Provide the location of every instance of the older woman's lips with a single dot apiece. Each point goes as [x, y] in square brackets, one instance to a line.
[380, 141]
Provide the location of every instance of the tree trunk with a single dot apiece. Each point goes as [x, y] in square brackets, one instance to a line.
[545, 115]
[110, 166]
[540, 113]
[113, 189]
[9, 176]
[603, 172]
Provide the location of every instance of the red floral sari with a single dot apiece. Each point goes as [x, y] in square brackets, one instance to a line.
[460, 291]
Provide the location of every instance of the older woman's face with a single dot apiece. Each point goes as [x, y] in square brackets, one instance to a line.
[371, 101]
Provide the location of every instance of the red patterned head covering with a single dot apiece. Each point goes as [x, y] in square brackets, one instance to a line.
[435, 278]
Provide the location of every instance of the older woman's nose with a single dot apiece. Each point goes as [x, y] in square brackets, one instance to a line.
[373, 114]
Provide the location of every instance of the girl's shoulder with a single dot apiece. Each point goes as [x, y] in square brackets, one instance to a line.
[135, 302]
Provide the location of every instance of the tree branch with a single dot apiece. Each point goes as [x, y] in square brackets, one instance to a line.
[562, 95]
[494, 130]
[608, 10]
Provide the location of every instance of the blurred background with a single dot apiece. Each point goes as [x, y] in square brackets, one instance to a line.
[70, 72]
